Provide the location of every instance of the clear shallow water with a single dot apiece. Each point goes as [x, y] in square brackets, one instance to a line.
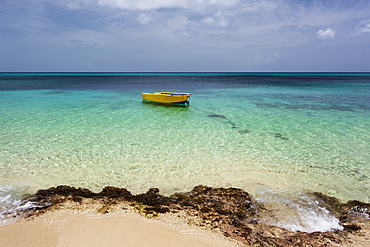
[287, 132]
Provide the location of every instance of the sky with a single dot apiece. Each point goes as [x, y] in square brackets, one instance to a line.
[184, 36]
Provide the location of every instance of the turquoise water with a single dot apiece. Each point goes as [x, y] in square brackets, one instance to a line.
[289, 133]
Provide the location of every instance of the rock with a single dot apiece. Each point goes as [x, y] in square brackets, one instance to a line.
[231, 211]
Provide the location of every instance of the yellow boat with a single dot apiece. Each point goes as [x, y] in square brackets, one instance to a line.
[167, 97]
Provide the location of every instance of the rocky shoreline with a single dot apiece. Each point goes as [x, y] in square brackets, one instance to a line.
[232, 212]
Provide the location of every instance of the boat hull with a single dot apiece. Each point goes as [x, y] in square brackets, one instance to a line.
[166, 97]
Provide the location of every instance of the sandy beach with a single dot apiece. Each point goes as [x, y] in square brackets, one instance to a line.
[71, 228]
[204, 216]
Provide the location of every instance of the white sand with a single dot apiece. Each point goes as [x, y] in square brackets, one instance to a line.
[64, 228]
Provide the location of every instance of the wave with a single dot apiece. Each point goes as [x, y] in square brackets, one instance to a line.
[13, 203]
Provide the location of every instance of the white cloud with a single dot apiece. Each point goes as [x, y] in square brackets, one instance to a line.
[157, 4]
[144, 18]
[327, 34]
[364, 29]
[142, 4]
[218, 19]
[265, 58]
[177, 22]
[77, 4]
[79, 42]
[187, 33]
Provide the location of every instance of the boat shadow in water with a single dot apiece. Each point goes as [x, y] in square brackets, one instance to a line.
[182, 104]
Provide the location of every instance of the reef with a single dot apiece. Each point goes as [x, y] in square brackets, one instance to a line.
[230, 211]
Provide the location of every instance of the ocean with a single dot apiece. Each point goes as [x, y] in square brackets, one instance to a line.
[278, 136]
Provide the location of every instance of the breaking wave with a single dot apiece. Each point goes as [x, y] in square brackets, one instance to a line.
[12, 204]
[296, 213]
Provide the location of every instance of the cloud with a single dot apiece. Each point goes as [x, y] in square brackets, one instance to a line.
[87, 43]
[77, 4]
[327, 34]
[249, 30]
[144, 18]
[187, 33]
[364, 29]
[158, 4]
[265, 58]
[218, 19]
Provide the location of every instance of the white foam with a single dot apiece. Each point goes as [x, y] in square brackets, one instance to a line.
[296, 212]
[12, 204]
